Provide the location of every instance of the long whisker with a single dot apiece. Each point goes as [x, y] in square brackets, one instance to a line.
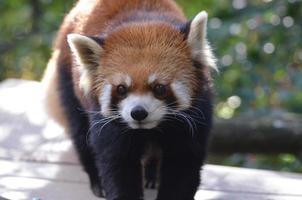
[195, 110]
[98, 122]
[106, 124]
[199, 111]
[186, 118]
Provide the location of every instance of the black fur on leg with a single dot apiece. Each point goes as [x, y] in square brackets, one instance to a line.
[118, 159]
[78, 127]
[151, 173]
[151, 161]
[184, 151]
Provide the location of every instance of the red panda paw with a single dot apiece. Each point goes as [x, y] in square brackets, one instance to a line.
[96, 188]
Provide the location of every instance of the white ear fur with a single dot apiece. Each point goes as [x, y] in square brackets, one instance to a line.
[87, 53]
[197, 34]
[197, 40]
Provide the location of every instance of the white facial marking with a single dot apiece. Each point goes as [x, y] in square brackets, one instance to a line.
[151, 78]
[128, 80]
[182, 94]
[122, 78]
[85, 82]
[155, 108]
[105, 99]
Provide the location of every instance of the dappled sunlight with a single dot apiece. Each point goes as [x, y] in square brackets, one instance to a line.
[221, 178]
[27, 141]
[17, 183]
[7, 168]
[52, 130]
[33, 146]
[15, 195]
[44, 144]
[20, 100]
[4, 130]
[24, 128]
[203, 194]
[56, 146]
[18, 97]
[43, 181]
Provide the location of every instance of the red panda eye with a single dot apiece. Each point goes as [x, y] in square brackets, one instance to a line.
[121, 90]
[160, 90]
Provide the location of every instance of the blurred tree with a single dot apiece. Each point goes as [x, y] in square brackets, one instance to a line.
[27, 29]
[259, 47]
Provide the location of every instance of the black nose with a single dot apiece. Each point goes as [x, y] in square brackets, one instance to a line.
[139, 113]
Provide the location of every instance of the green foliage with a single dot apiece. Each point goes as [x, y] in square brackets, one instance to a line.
[260, 54]
[280, 162]
[27, 29]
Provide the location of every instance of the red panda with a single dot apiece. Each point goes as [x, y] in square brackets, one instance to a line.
[125, 74]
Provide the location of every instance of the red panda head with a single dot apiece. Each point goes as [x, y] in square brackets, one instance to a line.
[142, 72]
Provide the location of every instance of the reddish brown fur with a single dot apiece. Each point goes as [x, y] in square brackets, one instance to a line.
[135, 50]
[90, 17]
[142, 50]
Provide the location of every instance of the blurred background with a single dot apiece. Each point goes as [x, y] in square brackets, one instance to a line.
[259, 49]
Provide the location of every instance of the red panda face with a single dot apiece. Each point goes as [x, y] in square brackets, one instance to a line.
[148, 72]
[141, 73]
[143, 106]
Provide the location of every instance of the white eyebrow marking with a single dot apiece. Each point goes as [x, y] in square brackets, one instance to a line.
[152, 78]
[127, 80]
[122, 78]
[182, 94]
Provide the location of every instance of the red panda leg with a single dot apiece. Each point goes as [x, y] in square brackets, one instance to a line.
[179, 178]
[118, 158]
[181, 161]
[78, 128]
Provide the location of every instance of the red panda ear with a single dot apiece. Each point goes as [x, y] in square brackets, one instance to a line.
[87, 52]
[197, 33]
[197, 41]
